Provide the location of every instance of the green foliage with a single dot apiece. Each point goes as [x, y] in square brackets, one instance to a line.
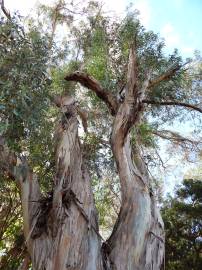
[10, 225]
[59, 85]
[24, 81]
[104, 46]
[145, 135]
[27, 119]
[106, 193]
[183, 225]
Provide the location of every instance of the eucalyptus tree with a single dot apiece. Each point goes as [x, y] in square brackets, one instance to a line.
[129, 82]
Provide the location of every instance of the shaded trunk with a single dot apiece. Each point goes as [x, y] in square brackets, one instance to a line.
[137, 241]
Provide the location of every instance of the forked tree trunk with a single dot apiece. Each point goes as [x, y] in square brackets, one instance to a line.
[61, 230]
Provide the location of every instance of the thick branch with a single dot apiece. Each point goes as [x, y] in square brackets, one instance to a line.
[128, 115]
[165, 76]
[94, 85]
[132, 74]
[5, 11]
[175, 103]
[130, 110]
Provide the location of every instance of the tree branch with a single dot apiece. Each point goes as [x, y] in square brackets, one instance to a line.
[131, 108]
[175, 103]
[5, 11]
[177, 139]
[165, 76]
[18, 170]
[132, 74]
[94, 85]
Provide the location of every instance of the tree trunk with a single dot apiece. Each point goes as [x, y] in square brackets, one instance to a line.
[65, 230]
[61, 230]
[137, 241]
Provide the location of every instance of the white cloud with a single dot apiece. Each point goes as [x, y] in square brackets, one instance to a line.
[172, 38]
[145, 11]
[187, 50]
[167, 29]
[25, 6]
[117, 6]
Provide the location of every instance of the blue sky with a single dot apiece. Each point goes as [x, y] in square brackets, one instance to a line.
[178, 21]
